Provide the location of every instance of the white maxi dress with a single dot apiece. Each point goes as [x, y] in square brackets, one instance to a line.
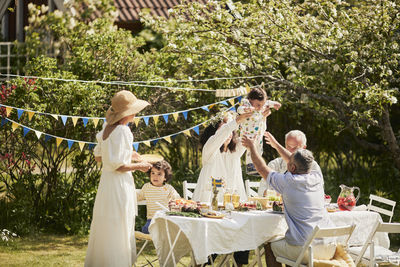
[219, 164]
[112, 231]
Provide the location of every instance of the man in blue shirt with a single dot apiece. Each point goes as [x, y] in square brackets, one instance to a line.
[302, 192]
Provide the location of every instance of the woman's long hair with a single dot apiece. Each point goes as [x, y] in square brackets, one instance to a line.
[210, 130]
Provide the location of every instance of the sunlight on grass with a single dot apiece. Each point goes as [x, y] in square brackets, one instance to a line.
[56, 250]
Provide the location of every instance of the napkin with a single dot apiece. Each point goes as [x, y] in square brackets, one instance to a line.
[360, 208]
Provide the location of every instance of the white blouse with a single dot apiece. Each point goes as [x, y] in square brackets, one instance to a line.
[219, 164]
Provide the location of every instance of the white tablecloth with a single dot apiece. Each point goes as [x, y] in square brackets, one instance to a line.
[243, 231]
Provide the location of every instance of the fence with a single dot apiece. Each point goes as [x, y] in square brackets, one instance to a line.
[10, 60]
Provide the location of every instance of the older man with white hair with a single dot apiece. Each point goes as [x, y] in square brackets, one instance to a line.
[294, 140]
[302, 191]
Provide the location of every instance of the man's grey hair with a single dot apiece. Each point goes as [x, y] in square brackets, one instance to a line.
[299, 135]
[303, 160]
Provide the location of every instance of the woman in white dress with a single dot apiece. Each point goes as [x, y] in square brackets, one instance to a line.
[221, 155]
[112, 240]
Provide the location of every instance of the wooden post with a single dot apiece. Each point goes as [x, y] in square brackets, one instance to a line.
[50, 4]
[20, 20]
[4, 27]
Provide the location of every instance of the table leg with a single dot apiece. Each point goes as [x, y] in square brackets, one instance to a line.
[170, 253]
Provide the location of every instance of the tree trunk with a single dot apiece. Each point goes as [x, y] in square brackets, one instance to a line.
[389, 137]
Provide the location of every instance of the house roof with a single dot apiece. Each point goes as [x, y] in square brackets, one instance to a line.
[129, 9]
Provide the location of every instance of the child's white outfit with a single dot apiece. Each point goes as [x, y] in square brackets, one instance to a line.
[112, 231]
[153, 194]
[254, 128]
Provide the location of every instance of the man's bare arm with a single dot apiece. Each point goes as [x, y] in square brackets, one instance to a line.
[283, 152]
[258, 161]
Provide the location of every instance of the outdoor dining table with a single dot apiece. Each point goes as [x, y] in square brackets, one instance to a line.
[176, 236]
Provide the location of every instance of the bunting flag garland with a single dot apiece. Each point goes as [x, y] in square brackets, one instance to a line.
[58, 141]
[91, 145]
[20, 112]
[74, 120]
[165, 118]
[95, 121]
[64, 118]
[155, 118]
[136, 121]
[8, 111]
[175, 115]
[14, 126]
[81, 145]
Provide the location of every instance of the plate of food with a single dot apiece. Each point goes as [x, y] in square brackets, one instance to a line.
[213, 214]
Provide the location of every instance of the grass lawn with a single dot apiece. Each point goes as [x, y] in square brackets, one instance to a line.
[56, 250]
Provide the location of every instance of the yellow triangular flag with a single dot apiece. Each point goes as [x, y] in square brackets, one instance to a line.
[38, 134]
[175, 115]
[14, 126]
[187, 132]
[81, 145]
[95, 122]
[155, 118]
[74, 120]
[211, 106]
[204, 124]
[232, 101]
[147, 143]
[30, 114]
[136, 121]
[58, 141]
[54, 116]
[8, 110]
[168, 138]
[248, 89]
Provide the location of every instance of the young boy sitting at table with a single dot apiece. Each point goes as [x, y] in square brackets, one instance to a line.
[157, 190]
[302, 191]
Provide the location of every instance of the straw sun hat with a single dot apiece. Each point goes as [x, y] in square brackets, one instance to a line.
[123, 104]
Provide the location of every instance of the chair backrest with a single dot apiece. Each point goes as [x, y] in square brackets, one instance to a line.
[249, 185]
[381, 210]
[187, 187]
[142, 202]
[325, 232]
[391, 228]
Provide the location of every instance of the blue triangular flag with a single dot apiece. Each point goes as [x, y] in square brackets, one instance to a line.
[196, 129]
[91, 146]
[146, 120]
[70, 143]
[224, 103]
[240, 99]
[185, 113]
[155, 142]
[85, 121]
[47, 138]
[26, 130]
[64, 119]
[136, 146]
[205, 108]
[3, 121]
[165, 118]
[233, 108]
[173, 136]
[19, 112]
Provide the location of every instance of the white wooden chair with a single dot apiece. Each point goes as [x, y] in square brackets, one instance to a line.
[249, 188]
[142, 236]
[187, 187]
[376, 255]
[385, 201]
[318, 233]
